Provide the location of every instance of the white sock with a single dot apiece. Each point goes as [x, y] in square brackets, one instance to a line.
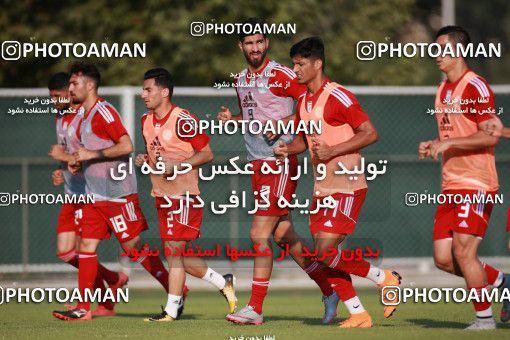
[376, 274]
[485, 314]
[172, 305]
[354, 305]
[214, 278]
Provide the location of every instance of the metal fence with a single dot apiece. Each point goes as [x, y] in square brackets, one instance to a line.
[399, 113]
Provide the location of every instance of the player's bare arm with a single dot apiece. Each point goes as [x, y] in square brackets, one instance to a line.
[201, 157]
[123, 148]
[488, 135]
[297, 146]
[506, 132]
[364, 135]
[58, 153]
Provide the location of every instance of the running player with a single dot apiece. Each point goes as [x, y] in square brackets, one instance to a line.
[260, 98]
[466, 142]
[180, 223]
[346, 129]
[68, 224]
[106, 146]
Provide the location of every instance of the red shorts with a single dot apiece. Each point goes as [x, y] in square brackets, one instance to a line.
[69, 218]
[175, 225]
[274, 185]
[125, 219]
[341, 219]
[467, 218]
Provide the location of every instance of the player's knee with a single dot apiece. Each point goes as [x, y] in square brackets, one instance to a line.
[444, 264]
[259, 236]
[88, 245]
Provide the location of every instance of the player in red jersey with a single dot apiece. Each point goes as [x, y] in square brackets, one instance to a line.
[266, 91]
[468, 132]
[69, 219]
[346, 129]
[162, 129]
[106, 147]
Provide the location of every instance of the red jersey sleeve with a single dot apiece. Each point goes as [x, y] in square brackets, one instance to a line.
[187, 130]
[285, 83]
[342, 107]
[143, 119]
[297, 115]
[480, 100]
[106, 124]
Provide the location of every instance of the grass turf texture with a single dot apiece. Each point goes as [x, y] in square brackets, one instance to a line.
[288, 314]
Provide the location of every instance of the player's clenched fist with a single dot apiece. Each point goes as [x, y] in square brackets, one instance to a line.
[57, 176]
[140, 159]
[424, 149]
[225, 114]
[281, 151]
[320, 149]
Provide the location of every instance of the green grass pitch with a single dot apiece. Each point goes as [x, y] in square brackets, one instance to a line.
[289, 314]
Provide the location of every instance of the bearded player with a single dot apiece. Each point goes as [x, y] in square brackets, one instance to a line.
[68, 223]
[106, 146]
[266, 92]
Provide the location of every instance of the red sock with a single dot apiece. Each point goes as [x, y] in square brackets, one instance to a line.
[343, 261]
[87, 273]
[492, 273]
[109, 276]
[69, 257]
[259, 288]
[156, 268]
[99, 284]
[481, 306]
[318, 274]
[341, 283]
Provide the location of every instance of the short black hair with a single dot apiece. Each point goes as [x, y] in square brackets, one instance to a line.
[59, 81]
[87, 70]
[456, 34]
[162, 78]
[248, 26]
[312, 47]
